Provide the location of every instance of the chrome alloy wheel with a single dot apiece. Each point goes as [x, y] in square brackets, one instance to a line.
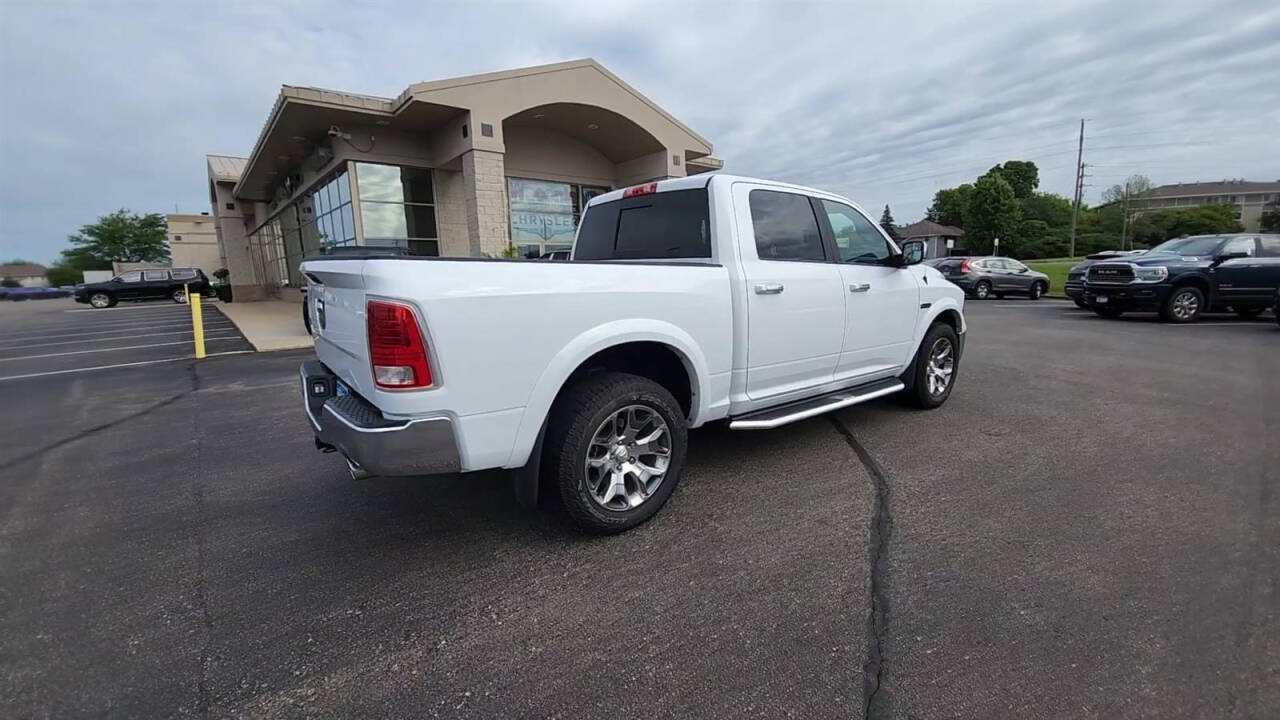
[1185, 305]
[942, 363]
[628, 458]
[100, 300]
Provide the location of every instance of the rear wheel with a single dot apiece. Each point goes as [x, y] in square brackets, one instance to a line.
[616, 445]
[101, 300]
[1248, 313]
[982, 290]
[937, 362]
[1037, 290]
[1184, 305]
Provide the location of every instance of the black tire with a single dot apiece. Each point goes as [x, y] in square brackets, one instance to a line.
[1248, 313]
[306, 315]
[1038, 290]
[178, 295]
[101, 300]
[1107, 311]
[1184, 305]
[578, 414]
[982, 290]
[1080, 303]
[920, 394]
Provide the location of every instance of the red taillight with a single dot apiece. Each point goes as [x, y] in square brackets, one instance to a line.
[396, 349]
[640, 190]
[964, 266]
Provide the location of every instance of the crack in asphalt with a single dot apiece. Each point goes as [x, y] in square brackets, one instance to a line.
[878, 557]
[97, 429]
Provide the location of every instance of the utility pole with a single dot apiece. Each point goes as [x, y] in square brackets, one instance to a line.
[1075, 211]
[1124, 221]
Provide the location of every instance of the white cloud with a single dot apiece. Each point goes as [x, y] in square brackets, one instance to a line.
[114, 105]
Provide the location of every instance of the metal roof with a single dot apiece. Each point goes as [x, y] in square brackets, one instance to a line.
[928, 228]
[1222, 187]
[226, 168]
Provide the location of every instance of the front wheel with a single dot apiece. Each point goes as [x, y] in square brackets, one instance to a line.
[616, 445]
[101, 300]
[1184, 305]
[937, 362]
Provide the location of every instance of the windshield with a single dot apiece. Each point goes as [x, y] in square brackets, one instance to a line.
[1202, 245]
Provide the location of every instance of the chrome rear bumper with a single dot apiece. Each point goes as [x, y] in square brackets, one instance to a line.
[371, 443]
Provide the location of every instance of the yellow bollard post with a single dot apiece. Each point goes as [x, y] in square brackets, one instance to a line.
[197, 320]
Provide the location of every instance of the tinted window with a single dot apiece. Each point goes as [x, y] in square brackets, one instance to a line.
[785, 227]
[949, 263]
[1270, 246]
[1199, 245]
[131, 276]
[660, 226]
[856, 238]
[155, 275]
[183, 274]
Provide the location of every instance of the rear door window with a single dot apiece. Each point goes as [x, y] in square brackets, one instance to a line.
[785, 227]
[659, 226]
[132, 276]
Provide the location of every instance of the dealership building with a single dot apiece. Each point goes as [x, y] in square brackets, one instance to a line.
[484, 165]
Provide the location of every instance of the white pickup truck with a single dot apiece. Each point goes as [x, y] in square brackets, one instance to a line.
[684, 302]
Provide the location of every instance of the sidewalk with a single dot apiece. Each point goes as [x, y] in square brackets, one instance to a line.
[269, 324]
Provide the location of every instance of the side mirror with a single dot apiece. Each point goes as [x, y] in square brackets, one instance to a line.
[912, 252]
[1229, 256]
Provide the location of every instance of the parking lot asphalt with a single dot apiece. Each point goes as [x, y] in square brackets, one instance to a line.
[1088, 528]
[62, 337]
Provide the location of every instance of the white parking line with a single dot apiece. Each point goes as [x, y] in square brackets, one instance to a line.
[203, 301]
[126, 330]
[166, 317]
[119, 365]
[114, 349]
[106, 339]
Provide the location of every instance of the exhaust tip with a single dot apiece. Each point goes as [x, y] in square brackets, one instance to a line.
[357, 472]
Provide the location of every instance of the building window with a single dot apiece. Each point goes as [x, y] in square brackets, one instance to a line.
[397, 207]
[231, 206]
[177, 238]
[544, 214]
[334, 224]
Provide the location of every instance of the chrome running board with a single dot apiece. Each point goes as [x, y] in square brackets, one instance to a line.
[792, 412]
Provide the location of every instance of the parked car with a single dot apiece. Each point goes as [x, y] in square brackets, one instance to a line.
[791, 303]
[1182, 279]
[1074, 285]
[982, 277]
[33, 293]
[147, 284]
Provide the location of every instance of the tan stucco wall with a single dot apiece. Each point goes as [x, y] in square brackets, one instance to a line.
[193, 242]
[549, 155]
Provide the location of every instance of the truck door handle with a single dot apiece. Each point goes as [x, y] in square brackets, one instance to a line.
[859, 288]
[768, 288]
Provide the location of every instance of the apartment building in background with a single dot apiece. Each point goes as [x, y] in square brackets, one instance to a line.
[1252, 198]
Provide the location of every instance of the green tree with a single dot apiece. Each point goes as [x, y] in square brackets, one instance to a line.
[950, 205]
[1133, 185]
[992, 213]
[1271, 219]
[886, 222]
[60, 275]
[121, 236]
[1152, 228]
[1022, 175]
[1053, 210]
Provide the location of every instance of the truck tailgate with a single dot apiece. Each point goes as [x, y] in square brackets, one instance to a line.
[336, 294]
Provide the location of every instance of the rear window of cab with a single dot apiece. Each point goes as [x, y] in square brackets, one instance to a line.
[658, 226]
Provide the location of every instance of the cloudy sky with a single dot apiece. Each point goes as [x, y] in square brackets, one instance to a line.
[107, 105]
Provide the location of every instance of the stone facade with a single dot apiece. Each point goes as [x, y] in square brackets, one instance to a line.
[484, 182]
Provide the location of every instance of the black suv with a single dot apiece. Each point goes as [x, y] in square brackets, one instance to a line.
[1183, 278]
[147, 284]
